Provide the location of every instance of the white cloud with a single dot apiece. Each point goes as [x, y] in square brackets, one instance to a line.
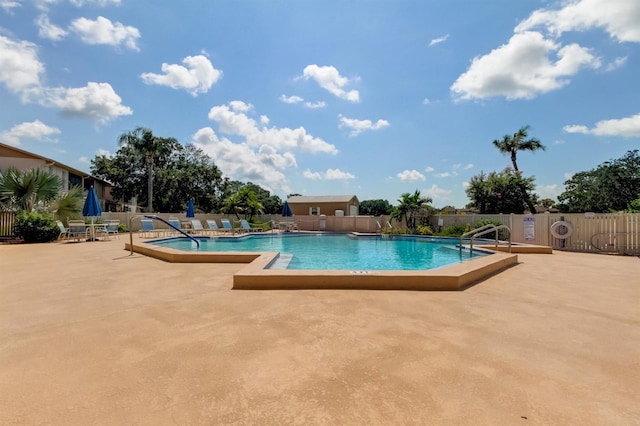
[33, 130]
[9, 5]
[103, 152]
[84, 160]
[330, 174]
[548, 191]
[48, 30]
[264, 120]
[468, 166]
[426, 101]
[440, 196]
[20, 68]
[443, 175]
[411, 176]
[80, 3]
[521, 69]
[233, 120]
[291, 99]
[617, 63]
[330, 79]
[429, 169]
[359, 126]
[197, 76]
[103, 31]
[96, 100]
[315, 105]
[619, 18]
[628, 127]
[438, 40]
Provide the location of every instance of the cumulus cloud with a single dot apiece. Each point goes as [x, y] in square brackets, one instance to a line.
[438, 40]
[315, 105]
[291, 99]
[9, 5]
[411, 176]
[20, 68]
[429, 169]
[95, 100]
[619, 18]
[330, 79]
[32, 130]
[251, 150]
[521, 69]
[196, 76]
[80, 3]
[48, 30]
[329, 174]
[103, 31]
[628, 127]
[548, 191]
[438, 195]
[359, 126]
[617, 63]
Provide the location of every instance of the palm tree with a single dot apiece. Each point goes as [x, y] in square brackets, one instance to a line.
[518, 142]
[410, 204]
[244, 201]
[149, 147]
[28, 190]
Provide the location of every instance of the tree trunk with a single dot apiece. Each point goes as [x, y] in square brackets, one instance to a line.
[150, 184]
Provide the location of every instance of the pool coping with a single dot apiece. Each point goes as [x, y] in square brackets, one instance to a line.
[255, 277]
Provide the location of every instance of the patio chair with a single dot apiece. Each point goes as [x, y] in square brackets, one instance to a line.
[64, 232]
[175, 222]
[77, 230]
[111, 228]
[197, 228]
[213, 226]
[148, 229]
[248, 228]
[226, 225]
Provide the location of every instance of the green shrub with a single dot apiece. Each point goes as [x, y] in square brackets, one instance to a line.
[454, 230]
[424, 230]
[36, 227]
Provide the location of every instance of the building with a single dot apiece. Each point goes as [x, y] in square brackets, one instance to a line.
[329, 205]
[24, 160]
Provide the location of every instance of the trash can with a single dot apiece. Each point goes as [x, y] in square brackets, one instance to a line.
[323, 222]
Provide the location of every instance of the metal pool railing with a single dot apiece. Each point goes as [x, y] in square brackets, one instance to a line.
[151, 216]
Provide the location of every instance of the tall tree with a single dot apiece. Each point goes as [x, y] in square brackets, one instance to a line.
[375, 207]
[244, 201]
[611, 186]
[408, 207]
[518, 142]
[503, 192]
[148, 146]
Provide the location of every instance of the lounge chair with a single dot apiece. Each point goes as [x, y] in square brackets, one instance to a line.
[148, 229]
[111, 228]
[77, 230]
[175, 222]
[213, 226]
[247, 227]
[226, 225]
[197, 228]
[63, 231]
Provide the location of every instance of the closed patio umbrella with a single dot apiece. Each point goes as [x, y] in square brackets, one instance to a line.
[191, 212]
[92, 208]
[286, 210]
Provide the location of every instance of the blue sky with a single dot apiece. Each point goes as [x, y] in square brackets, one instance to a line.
[372, 98]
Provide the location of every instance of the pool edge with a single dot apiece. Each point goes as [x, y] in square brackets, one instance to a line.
[254, 276]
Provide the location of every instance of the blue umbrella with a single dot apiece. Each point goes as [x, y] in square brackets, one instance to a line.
[191, 212]
[92, 207]
[286, 210]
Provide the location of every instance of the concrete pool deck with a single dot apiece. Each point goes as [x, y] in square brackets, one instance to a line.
[90, 335]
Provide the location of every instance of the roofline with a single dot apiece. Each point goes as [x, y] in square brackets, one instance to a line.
[54, 163]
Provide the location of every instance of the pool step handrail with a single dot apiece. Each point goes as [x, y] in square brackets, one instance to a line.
[153, 216]
[486, 229]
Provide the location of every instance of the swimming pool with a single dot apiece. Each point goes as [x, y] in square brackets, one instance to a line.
[337, 251]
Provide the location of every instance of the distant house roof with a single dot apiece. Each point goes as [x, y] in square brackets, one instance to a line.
[321, 199]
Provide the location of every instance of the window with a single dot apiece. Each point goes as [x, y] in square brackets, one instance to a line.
[314, 211]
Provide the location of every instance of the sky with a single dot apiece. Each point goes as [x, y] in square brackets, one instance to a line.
[374, 98]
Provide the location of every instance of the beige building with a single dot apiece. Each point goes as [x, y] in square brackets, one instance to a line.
[24, 160]
[328, 205]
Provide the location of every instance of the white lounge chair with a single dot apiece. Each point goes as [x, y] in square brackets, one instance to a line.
[247, 227]
[226, 225]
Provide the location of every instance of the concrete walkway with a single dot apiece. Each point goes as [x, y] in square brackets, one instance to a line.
[89, 335]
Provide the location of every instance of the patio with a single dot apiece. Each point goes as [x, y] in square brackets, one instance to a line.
[91, 335]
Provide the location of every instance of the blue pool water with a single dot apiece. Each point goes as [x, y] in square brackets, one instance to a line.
[337, 252]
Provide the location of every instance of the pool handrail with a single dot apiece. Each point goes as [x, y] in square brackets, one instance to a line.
[486, 229]
[153, 216]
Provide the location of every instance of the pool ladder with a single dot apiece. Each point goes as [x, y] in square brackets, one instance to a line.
[153, 216]
[486, 229]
